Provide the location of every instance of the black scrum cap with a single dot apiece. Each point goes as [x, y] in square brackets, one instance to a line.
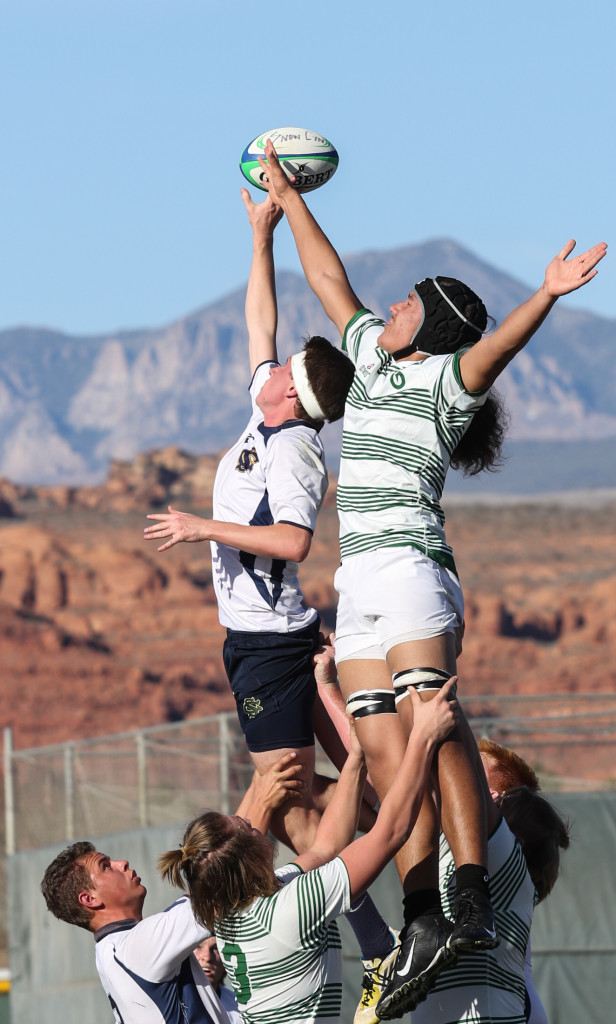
[453, 316]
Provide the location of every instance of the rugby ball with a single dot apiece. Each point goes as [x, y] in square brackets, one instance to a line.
[309, 156]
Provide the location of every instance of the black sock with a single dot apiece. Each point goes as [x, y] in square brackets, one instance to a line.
[424, 901]
[472, 876]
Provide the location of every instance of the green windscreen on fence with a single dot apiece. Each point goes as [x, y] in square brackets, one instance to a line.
[573, 937]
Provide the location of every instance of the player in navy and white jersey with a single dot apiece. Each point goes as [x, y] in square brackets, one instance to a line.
[267, 493]
[146, 964]
[209, 958]
[417, 405]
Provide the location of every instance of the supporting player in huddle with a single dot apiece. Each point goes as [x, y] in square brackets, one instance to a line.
[276, 930]
[145, 964]
[421, 380]
[527, 836]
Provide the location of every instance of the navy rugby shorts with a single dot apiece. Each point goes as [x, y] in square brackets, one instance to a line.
[272, 679]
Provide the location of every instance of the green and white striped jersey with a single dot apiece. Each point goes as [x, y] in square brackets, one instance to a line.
[283, 953]
[487, 987]
[402, 421]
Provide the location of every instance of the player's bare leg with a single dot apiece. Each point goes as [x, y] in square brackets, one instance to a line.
[296, 824]
[429, 943]
[382, 736]
[462, 805]
[322, 792]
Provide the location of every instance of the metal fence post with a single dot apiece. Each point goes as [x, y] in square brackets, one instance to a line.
[142, 779]
[9, 792]
[69, 791]
[223, 761]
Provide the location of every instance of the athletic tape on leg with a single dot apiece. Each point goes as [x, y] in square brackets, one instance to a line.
[371, 702]
[420, 678]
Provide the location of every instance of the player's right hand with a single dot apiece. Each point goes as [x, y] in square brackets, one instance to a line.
[280, 783]
[263, 216]
[181, 527]
[277, 183]
[437, 716]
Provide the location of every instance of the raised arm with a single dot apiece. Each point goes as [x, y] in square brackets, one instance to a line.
[260, 307]
[322, 265]
[338, 823]
[367, 856]
[331, 722]
[483, 363]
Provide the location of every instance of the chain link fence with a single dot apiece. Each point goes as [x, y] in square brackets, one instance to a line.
[167, 774]
[155, 776]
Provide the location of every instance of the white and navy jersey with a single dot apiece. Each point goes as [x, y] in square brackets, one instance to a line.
[271, 475]
[229, 1003]
[283, 953]
[150, 974]
[402, 421]
[487, 987]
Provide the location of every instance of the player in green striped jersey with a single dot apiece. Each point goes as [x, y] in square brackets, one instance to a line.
[276, 931]
[526, 836]
[420, 380]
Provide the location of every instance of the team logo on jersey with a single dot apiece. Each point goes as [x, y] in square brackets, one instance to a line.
[248, 458]
[252, 707]
[397, 379]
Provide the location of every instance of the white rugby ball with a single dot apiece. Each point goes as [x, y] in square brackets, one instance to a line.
[309, 156]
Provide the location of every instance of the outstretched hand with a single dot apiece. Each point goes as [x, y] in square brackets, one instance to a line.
[178, 526]
[263, 216]
[276, 181]
[565, 275]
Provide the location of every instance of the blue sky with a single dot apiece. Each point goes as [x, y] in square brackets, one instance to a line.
[123, 122]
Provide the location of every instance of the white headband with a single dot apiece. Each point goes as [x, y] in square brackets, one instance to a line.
[303, 387]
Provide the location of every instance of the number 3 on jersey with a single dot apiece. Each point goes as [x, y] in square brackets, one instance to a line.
[242, 990]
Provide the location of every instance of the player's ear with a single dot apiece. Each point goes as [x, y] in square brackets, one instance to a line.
[89, 899]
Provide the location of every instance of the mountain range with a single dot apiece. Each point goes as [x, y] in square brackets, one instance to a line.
[70, 404]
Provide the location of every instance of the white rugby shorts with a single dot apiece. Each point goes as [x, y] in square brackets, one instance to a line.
[391, 596]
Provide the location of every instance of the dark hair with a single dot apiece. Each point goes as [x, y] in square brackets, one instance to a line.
[542, 832]
[330, 374]
[480, 447]
[63, 880]
[223, 866]
[509, 770]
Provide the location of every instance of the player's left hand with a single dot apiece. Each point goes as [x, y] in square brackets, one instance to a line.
[178, 526]
[565, 275]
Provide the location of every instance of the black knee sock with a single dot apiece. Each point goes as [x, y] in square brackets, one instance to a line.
[424, 901]
[472, 876]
